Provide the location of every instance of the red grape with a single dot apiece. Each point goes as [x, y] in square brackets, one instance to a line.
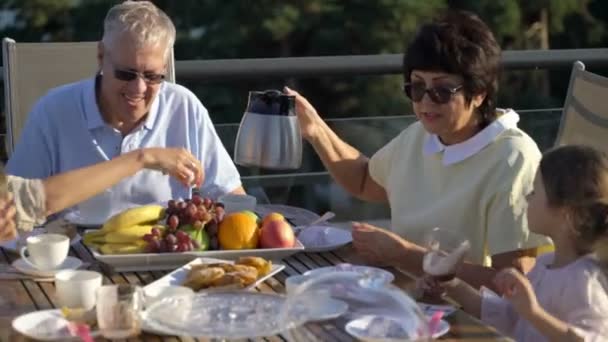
[172, 247]
[192, 211]
[195, 244]
[150, 248]
[182, 205]
[191, 245]
[148, 238]
[197, 200]
[171, 239]
[219, 214]
[173, 222]
[211, 228]
[207, 202]
[156, 232]
[163, 248]
[182, 247]
[182, 236]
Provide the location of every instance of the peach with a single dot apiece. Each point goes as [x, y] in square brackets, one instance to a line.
[277, 234]
[272, 217]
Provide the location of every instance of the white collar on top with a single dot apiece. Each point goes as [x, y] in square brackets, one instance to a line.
[452, 154]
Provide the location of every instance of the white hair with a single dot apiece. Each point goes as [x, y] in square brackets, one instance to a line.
[142, 20]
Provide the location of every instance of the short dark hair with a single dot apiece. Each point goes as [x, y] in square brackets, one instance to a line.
[459, 43]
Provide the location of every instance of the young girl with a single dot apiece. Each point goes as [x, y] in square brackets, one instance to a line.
[564, 297]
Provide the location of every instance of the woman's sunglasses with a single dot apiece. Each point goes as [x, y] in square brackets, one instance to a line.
[128, 76]
[440, 94]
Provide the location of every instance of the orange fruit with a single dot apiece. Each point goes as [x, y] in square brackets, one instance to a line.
[238, 231]
[272, 217]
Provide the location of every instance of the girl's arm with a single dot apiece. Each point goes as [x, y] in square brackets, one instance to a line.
[465, 295]
[518, 290]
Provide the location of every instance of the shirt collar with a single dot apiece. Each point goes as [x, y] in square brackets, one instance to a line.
[453, 154]
[93, 115]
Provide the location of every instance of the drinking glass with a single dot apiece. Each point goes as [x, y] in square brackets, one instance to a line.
[118, 309]
[445, 252]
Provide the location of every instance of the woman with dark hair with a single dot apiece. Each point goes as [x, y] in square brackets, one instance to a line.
[463, 166]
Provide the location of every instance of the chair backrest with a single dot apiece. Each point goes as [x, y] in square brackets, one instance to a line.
[31, 69]
[585, 114]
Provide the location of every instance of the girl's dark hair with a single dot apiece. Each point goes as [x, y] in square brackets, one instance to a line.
[576, 178]
[459, 43]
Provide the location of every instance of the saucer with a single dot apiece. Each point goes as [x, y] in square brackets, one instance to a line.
[324, 238]
[383, 328]
[45, 325]
[70, 263]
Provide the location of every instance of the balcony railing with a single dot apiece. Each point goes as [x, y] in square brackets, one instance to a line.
[311, 186]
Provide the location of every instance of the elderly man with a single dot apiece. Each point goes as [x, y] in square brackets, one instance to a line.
[125, 107]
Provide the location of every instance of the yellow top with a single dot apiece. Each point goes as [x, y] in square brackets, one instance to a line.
[476, 188]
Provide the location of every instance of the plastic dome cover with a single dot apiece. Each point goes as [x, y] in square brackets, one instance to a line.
[353, 302]
[357, 305]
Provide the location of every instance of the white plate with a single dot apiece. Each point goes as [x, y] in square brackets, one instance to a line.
[178, 276]
[15, 244]
[70, 263]
[77, 219]
[442, 329]
[171, 261]
[45, 325]
[430, 309]
[324, 238]
[401, 331]
[376, 276]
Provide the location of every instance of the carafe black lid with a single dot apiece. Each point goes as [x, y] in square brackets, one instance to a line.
[271, 102]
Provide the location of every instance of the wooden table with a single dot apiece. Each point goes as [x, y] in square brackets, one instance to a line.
[21, 296]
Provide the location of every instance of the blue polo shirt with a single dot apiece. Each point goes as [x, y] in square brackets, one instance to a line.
[65, 131]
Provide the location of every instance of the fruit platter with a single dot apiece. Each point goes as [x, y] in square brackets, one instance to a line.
[157, 237]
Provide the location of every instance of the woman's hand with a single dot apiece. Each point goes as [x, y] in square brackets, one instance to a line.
[177, 162]
[308, 117]
[517, 289]
[379, 246]
[8, 228]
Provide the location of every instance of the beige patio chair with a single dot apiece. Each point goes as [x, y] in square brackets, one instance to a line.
[585, 114]
[31, 69]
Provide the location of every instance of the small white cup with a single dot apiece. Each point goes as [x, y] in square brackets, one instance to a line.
[233, 202]
[77, 289]
[46, 251]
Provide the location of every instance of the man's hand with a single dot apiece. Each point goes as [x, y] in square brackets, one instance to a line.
[177, 162]
[8, 228]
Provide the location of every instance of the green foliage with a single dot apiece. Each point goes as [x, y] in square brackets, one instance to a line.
[214, 29]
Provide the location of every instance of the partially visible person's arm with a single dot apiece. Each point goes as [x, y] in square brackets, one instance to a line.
[346, 164]
[8, 229]
[69, 188]
[383, 247]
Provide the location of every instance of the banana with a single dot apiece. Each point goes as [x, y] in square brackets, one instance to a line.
[125, 235]
[123, 248]
[91, 236]
[143, 215]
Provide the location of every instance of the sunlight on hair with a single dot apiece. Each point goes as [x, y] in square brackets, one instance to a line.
[146, 23]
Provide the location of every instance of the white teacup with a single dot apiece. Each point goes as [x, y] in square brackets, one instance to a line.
[234, 202]
[46, 251]
[77, 288]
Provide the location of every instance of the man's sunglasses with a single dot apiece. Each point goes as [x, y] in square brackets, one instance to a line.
[440, 94]
[128, 76]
